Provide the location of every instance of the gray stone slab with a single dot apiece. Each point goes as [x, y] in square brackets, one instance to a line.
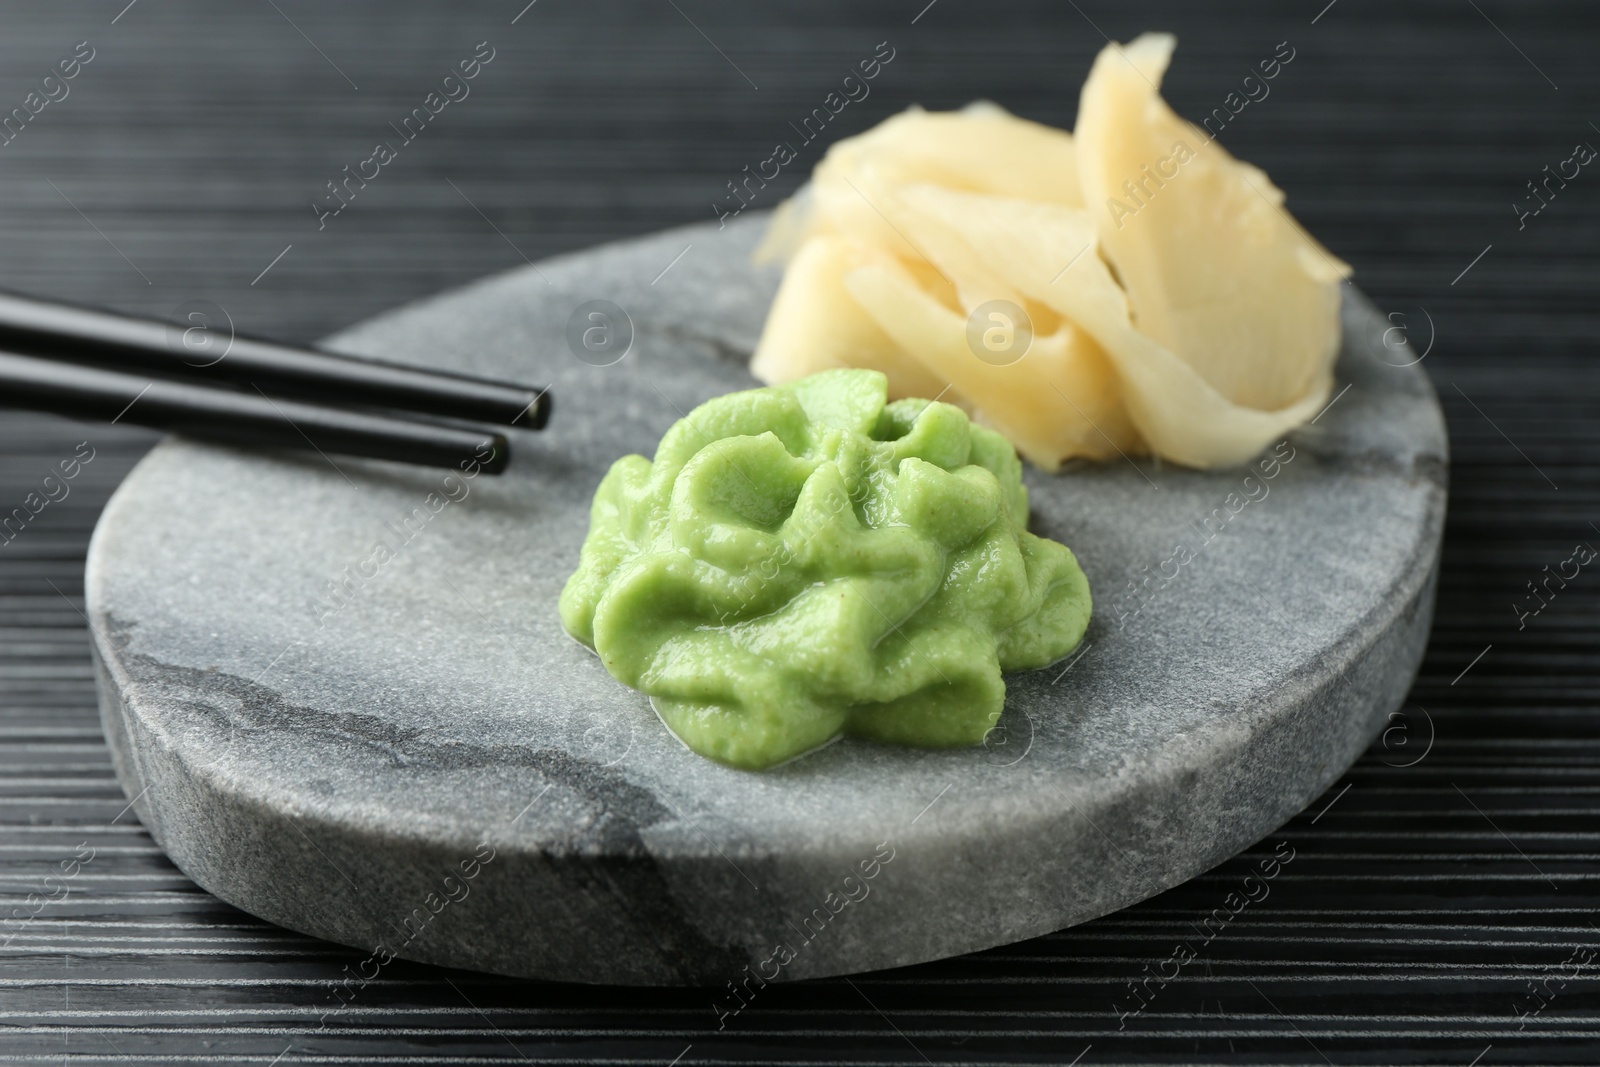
[326, 764]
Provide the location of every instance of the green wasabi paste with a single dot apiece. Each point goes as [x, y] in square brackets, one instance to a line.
[809, 560]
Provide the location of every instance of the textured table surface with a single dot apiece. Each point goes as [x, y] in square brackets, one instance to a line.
[1440, 902]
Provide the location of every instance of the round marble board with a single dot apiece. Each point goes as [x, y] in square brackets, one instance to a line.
[398, 748]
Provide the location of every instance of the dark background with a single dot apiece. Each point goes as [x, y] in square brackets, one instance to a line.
[1422, 908]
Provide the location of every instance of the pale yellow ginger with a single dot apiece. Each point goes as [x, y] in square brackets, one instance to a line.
[1175, 307]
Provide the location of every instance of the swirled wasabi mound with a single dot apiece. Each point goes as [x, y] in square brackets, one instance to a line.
[808, 560]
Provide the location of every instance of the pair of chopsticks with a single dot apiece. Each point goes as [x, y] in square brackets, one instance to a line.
[101, 366]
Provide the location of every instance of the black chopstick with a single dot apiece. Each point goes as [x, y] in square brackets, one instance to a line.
[244, 418]
[67, 333]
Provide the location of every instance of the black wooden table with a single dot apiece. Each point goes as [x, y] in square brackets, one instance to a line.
[1441, 906]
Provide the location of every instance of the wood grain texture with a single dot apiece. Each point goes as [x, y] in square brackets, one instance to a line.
[1423, 902]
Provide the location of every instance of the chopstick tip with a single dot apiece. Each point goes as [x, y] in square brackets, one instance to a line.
[499, 454]
[537, 414]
